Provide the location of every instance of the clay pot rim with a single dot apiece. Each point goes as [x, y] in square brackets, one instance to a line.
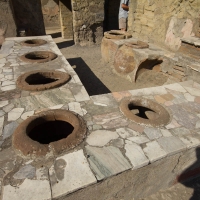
[137, 45]
[114, 32]
[28, 147]
[163, 119]
[23, 85]
[48, 54]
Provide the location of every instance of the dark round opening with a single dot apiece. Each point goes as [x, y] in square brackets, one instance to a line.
[34, 42]
[34, 56]
[39, 79]
[42, 80]
[115, 33]
[50, 131]
[143, 112]
[30, 42]
[38, 56]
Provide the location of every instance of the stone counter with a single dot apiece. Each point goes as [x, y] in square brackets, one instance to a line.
[119, 159]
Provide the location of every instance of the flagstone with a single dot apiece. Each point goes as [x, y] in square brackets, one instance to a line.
[106, 161]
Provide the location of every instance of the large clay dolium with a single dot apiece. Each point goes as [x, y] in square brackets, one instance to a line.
[109, 46]
[108, 50]
[124, 61]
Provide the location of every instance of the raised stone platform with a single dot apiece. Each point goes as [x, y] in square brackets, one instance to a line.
[119, 159]
[180, 65]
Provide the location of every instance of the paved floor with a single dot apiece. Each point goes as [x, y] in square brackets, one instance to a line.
[98, 78]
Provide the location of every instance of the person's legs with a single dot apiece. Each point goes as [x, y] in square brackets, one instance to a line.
[122, 24]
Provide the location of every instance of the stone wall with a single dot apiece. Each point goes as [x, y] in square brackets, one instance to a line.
[164, 22]
[88, 16]
[50, 10]
[7, 22]
[29, 16]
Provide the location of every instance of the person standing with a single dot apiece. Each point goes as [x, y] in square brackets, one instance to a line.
[123, 14]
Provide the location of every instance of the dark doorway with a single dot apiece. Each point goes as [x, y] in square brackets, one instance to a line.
[111, 15]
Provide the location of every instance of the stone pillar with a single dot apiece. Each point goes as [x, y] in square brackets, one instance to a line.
[51, 14]
[66, 19]
[132, 9]
[7, 22]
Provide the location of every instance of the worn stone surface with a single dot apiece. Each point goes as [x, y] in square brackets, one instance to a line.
[139, 139]
[8, 108]
[101, 137]
[9, 129]
[28, 171]
[154, 151]
[193, 91]
[171, 145]
[166, 133]
[28, 189]
[119, 143]
[136, 127]
[126, 132]
[119, 122]
[104, 100]
[76, 107]
[106, 161]
[190, 141]
[136, 155]
[189, 97]
[69, 173]
[152, 133]
[180, 131]
[3, 103]
[176, 87]
[15, 114]
[27, 114]
[102, 119]
[187, 119]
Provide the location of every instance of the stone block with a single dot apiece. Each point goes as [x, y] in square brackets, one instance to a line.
[101, 137]
[152, 133]
[29, 189]
[136, 155]
[154, 151]
[171, 145]
[106, 161]
[69, 173]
